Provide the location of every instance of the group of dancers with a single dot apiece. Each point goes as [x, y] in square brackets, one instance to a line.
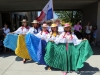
[51, 45]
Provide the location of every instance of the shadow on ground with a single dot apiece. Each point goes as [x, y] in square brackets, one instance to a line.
[7, 53]
[18, 59]
[21, 59]
[96, 50]
[87, 70]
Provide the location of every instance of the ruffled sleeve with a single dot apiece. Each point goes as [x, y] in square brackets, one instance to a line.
[75, 40]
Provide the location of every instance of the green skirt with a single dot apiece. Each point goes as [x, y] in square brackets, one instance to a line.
[72, 59]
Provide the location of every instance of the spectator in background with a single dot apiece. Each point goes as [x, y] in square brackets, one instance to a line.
[6, 30]
[60, 27]
[49, 25]
[77, 30]
[94, 35]
[88, 30]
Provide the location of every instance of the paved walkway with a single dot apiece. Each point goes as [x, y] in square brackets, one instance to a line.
[10, 64]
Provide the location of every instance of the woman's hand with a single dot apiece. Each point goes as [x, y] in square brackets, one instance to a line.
[42, 38]
[23, 34]
[51, 41]
[84, 39]
[11, 33]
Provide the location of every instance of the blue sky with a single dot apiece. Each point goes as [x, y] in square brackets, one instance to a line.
[55, 16]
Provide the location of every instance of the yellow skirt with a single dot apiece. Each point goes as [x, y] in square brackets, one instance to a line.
[21, 49]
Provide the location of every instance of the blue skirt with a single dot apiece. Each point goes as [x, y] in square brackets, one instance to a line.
[10, 41]
[36, 48]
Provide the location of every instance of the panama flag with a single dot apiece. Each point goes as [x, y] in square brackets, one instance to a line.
[46, 13]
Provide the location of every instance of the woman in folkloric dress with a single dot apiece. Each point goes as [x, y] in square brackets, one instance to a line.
[10, 40]
[23, 29]
[21, 49]
[67, 53]
[43, 36]
[20, 44]
[44, 32]
[36, 44]
[51, 38]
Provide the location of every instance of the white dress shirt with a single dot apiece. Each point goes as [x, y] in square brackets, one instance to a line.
[6, 31]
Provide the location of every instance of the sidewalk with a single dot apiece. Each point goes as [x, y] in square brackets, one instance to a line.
[10, 64]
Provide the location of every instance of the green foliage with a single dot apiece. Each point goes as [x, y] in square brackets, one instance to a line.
[69, 16]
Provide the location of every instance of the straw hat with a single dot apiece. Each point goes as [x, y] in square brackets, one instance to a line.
[53, 25]
[24, 20]
[44, 25]
[35, 21]
[67, 25]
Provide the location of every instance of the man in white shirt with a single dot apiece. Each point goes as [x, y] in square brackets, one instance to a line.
[49, 22]
[35, 28]
[60, 27]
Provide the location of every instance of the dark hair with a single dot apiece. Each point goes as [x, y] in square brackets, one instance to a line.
[53, 31]
[68, 31]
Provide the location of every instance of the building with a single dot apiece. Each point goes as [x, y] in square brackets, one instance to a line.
[90, 8]
[13, 18]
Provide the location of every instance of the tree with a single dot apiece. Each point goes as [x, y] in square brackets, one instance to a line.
[69, 16]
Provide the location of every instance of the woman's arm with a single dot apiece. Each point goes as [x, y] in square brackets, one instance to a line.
[17, 31]
[75, 40]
